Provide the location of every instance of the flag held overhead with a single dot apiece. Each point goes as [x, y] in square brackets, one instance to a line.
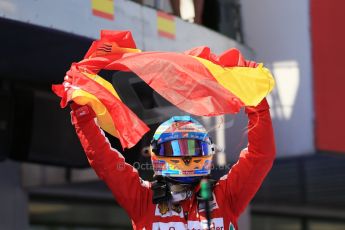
[196, 81]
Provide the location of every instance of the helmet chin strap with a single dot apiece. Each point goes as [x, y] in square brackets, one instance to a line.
[169, 189]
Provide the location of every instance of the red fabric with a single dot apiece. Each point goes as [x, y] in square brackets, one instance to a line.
[328, 47]
[232, 193]
[118, 38]
[130, 127]
[179, 77]
[185, 82]
[230, 58]
[203, 52]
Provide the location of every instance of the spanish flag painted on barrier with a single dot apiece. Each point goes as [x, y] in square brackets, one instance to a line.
[103, 8]
[166, 25]
[196, 81]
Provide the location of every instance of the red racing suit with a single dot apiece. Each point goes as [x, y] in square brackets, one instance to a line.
[231, 193]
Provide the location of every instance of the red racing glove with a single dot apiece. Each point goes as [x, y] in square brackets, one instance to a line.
[81, 113]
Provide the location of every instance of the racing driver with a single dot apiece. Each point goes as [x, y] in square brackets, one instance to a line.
[181, 153]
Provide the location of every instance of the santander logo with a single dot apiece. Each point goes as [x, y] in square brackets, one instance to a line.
[216, 224]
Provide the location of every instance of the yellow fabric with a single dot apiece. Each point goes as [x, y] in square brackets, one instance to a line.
[106, 6]
[166, 25]
[103, 82]
[250, 85]
[82, 97]
[105, 121]
[117, 49]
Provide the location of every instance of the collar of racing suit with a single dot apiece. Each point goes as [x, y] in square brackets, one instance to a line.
[166, 189]
[180, 192]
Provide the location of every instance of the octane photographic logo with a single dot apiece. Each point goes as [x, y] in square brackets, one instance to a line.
[160, 165]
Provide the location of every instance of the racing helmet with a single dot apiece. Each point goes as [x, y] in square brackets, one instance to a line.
[181, 149]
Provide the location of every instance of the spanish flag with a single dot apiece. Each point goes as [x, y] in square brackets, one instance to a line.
[196, 81]
[166, 25]
[103, 8]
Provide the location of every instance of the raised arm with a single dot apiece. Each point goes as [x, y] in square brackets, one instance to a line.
[246, 176]
[122, 179]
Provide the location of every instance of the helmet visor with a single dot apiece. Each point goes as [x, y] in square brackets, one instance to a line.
[184, 147]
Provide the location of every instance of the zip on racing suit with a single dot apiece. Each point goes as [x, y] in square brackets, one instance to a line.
[231, 194]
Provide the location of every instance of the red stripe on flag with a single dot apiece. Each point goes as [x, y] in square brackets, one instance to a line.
[130, 128]
[102, 14]
[172, 74]
[166, 34]
[165, 15]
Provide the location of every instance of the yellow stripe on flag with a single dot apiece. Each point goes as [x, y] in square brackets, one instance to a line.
[250, 85]
[103, 82]
[104, 119]
[166, 25]
[82, 97]
[103, 8]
